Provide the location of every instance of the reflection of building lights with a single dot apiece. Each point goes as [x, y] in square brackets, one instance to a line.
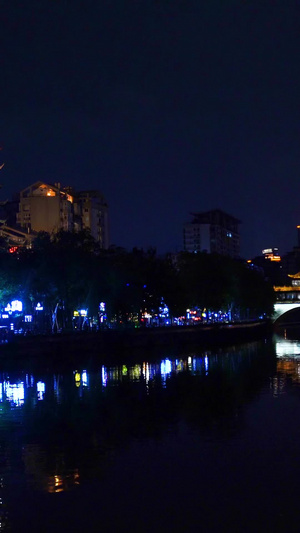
[84, 378]
[56, 388]
[135, 372]
[60, 483]
[57, 486]
[77, 378]
[165, 367]
[285, 347]
[104, 376]
[179, 366]
[13, 392]
[146, 372]
[41, 387]
[206, 364]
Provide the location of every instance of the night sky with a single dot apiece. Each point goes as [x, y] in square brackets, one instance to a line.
[166, 106]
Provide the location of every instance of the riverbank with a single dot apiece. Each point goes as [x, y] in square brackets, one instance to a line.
[107, 345]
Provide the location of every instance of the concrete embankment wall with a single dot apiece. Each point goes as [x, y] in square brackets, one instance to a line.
[214, 334]
[108, 345]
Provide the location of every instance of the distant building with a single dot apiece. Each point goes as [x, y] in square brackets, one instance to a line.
[270, 264]
[272, 254]
[212, 232]
[45, 207]
[15, 238]
[50, 208]
[91, 212]
[291, 260]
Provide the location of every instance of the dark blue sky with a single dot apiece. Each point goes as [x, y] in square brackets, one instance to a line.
[167, 106]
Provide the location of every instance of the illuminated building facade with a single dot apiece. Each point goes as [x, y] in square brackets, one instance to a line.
[50, 208]
[212, 232]
[272, 254]
[291, 291]
[270, 265]
[45, 207]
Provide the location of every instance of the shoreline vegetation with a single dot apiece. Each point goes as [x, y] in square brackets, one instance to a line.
[94, 301]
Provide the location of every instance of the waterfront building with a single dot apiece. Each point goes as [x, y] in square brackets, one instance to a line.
[291, 291]
[212, 232]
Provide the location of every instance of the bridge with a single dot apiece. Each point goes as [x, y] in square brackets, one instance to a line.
[280, 308]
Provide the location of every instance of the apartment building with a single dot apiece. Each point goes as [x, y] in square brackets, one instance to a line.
[50, 208]
[213, 232]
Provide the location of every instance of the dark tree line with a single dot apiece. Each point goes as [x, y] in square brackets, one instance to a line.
[68, 271]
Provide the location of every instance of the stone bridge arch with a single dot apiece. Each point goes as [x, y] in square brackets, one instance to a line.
[281, 308]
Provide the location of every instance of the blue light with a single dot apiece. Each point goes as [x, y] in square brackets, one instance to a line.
[14, 392]
[15, 305]
[206, 364]
[40, 387]
[104, 376]
[165, 367]
[84, 378]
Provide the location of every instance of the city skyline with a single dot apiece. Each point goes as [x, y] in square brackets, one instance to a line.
[167, 108]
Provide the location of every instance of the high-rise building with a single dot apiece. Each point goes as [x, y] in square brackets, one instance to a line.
[212, 232]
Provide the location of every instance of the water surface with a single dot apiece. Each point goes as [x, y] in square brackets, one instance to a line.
[197, 441]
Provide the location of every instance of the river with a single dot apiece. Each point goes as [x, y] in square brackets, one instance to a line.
[193, 441]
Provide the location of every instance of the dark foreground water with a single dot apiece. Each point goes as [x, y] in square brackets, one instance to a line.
[201, 441]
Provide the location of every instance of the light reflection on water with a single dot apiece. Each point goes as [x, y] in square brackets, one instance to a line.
[288, 364]
[60, 431]
[28, 388]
